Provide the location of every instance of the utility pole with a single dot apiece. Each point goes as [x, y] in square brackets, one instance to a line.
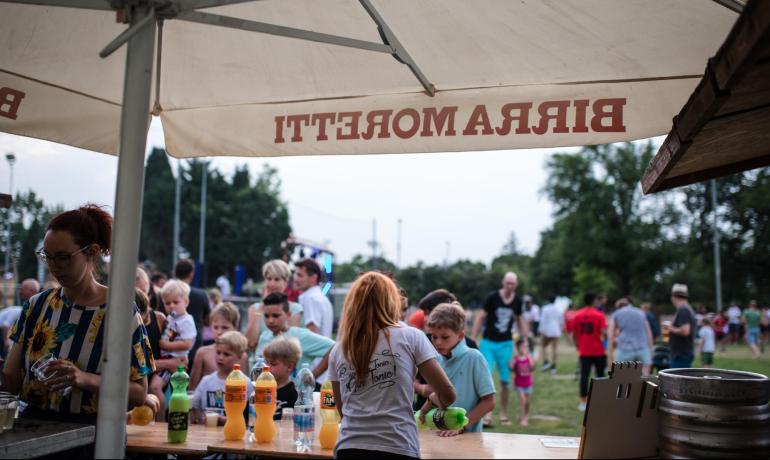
[398, 245]
[202, 236]
[373, 243]
[177, 204]
[717, 258]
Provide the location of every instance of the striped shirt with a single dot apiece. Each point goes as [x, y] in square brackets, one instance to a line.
[51, 323]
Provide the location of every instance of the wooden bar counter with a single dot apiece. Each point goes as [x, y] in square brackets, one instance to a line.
[202, 440]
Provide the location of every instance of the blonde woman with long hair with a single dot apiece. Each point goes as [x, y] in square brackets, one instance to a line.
[372, 368]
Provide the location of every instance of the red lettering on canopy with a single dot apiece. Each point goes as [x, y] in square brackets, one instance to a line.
[439, 119]
[478, 117]
[411, 131]
[10, 99]
[296, 120]
[279, 129]
[352, 125]
[560, 117]
[581, 105]
[523, 117]
[321, 119]
[379, 118]
[614, 113]
[607, 116]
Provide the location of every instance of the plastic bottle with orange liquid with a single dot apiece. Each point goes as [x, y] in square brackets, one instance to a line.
[236, 387]
[330, 426]
[264, 406]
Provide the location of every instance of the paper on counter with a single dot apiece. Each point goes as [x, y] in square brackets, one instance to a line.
[561, 442]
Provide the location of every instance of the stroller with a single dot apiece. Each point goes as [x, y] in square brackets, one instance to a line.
[660, 357]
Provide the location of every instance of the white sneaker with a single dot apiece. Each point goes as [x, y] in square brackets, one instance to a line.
[582, 407]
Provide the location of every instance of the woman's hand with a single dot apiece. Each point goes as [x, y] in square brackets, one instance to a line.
[433, 401]
[425, 409]
[153, 403]
[449, 433]
[66, 374]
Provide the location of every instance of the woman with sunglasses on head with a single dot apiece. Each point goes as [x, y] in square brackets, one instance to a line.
[372, 368]
[67, 322]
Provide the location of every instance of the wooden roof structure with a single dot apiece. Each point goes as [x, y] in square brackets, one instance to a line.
[724, 127]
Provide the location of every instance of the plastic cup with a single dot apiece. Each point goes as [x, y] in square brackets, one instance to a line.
[212, 418]
[40, 370]
[8, 407]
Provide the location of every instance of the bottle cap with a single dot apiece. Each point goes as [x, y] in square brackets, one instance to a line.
[236, 367]
[266, 368]
[180, 368]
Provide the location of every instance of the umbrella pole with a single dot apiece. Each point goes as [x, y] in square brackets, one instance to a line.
[113, 392]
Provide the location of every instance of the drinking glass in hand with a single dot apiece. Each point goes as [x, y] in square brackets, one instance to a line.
[40, 371]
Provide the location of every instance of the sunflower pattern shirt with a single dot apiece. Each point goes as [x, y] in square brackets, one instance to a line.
[50, 323]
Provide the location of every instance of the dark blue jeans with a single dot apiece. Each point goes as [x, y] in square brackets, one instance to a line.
[683, 361]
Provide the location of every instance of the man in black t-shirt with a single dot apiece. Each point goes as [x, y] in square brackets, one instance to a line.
[682, 330]
[500, 310]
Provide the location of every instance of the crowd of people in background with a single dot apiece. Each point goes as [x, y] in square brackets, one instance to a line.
[451, 355]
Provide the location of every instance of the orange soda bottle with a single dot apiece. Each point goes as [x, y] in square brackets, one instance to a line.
[236, 386]
[330, 426]
[264, 406]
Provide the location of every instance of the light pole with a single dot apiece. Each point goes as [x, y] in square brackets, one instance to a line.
[202, 236]
[8, 242]
[177, 202]
[717, 261]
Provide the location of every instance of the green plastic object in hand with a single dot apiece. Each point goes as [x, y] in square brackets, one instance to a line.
[451, 418]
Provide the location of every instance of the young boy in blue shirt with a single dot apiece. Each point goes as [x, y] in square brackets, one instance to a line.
[466, 368]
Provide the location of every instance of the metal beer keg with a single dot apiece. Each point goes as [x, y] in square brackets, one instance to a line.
[713, 413]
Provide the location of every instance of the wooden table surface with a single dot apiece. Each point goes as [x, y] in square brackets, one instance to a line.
[202, 440]
[152, 439]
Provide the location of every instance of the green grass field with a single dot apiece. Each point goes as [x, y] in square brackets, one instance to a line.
[553, 407]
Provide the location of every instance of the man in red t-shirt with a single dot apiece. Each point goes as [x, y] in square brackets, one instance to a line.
[589, 327]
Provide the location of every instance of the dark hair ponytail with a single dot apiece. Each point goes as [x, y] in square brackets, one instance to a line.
[89, 224]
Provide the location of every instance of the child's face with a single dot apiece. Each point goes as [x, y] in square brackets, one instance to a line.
[275, 318]
[226, 358]
[280, 369]
[523, 349]
[176, 304]
[445, 339]
[220, 325]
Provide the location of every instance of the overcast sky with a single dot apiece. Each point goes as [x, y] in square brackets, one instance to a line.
[460, 205]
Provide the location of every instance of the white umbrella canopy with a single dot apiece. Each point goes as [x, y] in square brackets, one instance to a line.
[302, 77]
[506, 75]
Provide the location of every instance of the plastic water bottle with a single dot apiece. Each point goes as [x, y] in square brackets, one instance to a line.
[305, 385]
[304, 413]
[256, 371]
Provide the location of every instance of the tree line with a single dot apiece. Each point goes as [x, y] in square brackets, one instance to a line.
[606, 235]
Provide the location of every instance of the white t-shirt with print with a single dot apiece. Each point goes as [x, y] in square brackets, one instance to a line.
[178, 328]
[210, 394]
[377, 413]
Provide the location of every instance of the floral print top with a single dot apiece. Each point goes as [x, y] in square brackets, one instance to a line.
[51, 323]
